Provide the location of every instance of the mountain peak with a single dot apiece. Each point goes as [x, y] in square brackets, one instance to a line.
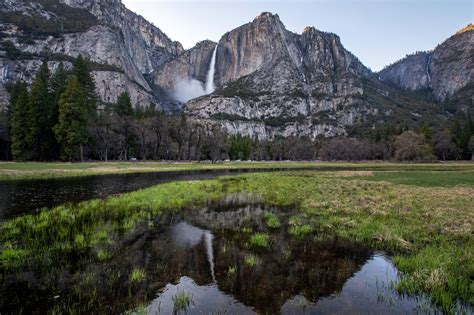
[467, 28]
[309, 29]
[266, 15]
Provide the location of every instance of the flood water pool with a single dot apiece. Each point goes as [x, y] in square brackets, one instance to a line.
[205, 260]
[26, 196]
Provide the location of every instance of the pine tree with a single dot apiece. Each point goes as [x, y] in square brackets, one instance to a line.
[71, 129]
[470, 123]
[464, 141]
[19, 129]
[39, 111]
[123, 107]
[124, 110]
[58, 86]
[59, 82]
[81, 70]
[427, 132]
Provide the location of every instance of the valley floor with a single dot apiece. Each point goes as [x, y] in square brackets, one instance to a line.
[422, 215]
[40, 170]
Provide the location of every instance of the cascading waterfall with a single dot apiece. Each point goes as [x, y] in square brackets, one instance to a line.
[3, 78]
[210, 253]
[209, 88]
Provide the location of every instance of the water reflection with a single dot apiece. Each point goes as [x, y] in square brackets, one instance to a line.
[370, 290]
[293, 276]
[25, 196]
[206, 253]
[186, 235]
[205, 299]
[325, 279]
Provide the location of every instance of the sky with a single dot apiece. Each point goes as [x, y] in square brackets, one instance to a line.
[378, 32]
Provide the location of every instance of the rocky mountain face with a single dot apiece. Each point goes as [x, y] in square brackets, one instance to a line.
[272, 82]
[183, 77]
[269, 81]
[123, 46]
[446, 71]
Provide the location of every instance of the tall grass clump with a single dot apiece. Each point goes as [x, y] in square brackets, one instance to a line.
[137, 275]
[298, 226]
[181, 301]
[260, 240]
[272, 220]
[250, 260]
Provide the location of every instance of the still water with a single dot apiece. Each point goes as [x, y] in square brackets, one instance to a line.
[205, 255]
[27, 196]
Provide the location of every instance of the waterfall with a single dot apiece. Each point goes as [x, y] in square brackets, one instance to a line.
[210, 253]
[3, 78]
[210, 73]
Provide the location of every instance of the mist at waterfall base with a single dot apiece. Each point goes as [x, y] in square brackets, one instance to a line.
[189, 88]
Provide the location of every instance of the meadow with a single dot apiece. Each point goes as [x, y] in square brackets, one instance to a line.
[42, 170]
[421, 215]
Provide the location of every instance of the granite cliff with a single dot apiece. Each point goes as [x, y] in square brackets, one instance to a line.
[269, 81]
[273, 82]
[447, 70]
[124, 47]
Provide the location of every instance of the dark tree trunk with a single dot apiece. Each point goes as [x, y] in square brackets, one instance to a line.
[81, 152]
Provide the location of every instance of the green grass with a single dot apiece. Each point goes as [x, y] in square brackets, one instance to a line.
[272, 220]
[103, 255]
[137, 275]
[181, 301]
[260, 240]
[427, 178]
[40, 170]
[69, 228]
[231, 270]
[250, 260]
[299, 227]
[424, 219]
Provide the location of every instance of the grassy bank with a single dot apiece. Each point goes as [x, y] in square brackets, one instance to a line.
[38, 170]
[424, 218]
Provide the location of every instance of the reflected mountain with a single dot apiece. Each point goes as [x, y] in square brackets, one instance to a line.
[204, 253]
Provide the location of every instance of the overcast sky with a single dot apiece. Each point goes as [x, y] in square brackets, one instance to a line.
[379, 32]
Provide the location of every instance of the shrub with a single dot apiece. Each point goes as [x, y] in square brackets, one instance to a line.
[410, 146]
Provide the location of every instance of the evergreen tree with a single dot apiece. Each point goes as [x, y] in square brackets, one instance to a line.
[19, 129]
[427, 132]
[71, 129]
[464, 141]
[39, 116]
[471, 147]
[124, 111]
[470, 123]
[5, 120]
[59, 82]
[81, 69]
[58, 86]
[123, 107]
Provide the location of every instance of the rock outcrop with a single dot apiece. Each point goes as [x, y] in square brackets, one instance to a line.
[446, 70]
[272, 82]
[124, 47]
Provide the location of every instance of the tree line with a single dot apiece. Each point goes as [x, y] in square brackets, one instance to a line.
[60, 118]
